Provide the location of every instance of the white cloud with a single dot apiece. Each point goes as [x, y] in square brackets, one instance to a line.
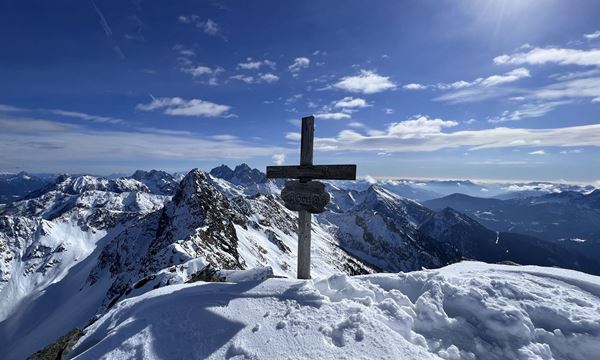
[578, 88]
[510, 76]
[587, 87]
[187, 52]
[88, 117]
[251, 65]
[224, 137]
[41, 143]
[245, 78]
[420, 126]
[9, 108]
[498, 162]
[356, 124]
[295, 122]
[458, 84]
[33, 126]
[182, 107]
[592, 36]
[187, 19]
[474, 94]
[538, 152]
[576, 74]
[268, 78]
[367, 82]
[271, 64]
[573, 151]
[414, 86]
[279, 159]
[527, 111]
[332, 116]
[293, 99]
[256, 64]
[198, 70]
[294, 136]
[299, 64]
[476, 90]
[351, 102]
[539, 56]
[210, 27]
[201, 71]
[425, 134]
[492, 80]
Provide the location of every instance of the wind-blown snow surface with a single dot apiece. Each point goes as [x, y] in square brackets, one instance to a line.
[467, 310]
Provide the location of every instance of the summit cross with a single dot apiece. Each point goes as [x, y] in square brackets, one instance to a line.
[305, 195]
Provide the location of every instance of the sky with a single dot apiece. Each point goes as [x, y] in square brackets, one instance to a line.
[496, 90]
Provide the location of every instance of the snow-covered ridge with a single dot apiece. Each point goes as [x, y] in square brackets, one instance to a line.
[158, 182]
[464, 311]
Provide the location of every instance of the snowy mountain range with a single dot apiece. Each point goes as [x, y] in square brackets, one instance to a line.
[73, 249]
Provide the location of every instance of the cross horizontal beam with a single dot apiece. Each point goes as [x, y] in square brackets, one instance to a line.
[309, 172]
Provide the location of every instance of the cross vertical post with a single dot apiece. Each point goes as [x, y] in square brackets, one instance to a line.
[304, 217]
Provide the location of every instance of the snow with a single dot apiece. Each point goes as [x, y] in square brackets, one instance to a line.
[29, 280]
[467, 310]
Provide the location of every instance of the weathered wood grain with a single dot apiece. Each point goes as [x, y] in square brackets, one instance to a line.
[306, 142]
[323, 172]
[304, 229]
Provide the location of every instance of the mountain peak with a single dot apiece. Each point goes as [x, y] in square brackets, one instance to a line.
[192, 183]
[158, 181]
[243, 174]
[222, 172]
[198, 222]
[138, 174]
[74, 185]
[378, 193]
[243, 167]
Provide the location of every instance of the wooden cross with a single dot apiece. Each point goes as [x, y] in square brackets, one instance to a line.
[307, 196]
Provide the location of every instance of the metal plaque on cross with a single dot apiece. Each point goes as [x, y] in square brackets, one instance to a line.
[305, 195]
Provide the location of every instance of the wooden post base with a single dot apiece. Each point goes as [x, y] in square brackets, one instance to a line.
[304, 228]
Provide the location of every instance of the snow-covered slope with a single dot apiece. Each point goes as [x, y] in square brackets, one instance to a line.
[49, 244]
[158, 182]
[464, 311]
[382, 228]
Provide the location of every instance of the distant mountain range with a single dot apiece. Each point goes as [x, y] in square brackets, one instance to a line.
[81, 244]
[567, 215]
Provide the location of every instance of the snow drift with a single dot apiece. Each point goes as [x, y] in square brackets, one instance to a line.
[467, 310]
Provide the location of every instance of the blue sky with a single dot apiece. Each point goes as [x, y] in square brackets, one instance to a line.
[501, 89]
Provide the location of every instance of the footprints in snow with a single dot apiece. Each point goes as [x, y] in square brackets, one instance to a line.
[296, 318]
